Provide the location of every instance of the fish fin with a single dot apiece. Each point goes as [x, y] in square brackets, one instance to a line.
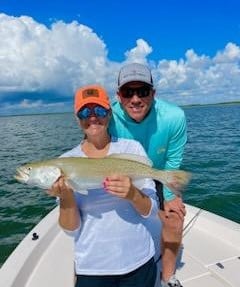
[132, 157]
[177, 180]
[82, 186]
[74, 184]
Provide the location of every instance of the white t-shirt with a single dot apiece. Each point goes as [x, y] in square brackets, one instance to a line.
[113, 237]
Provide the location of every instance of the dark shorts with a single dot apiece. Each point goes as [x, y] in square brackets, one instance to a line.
[159, 189]
[143, 276]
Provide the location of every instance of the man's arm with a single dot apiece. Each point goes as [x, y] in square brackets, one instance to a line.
[174, 158]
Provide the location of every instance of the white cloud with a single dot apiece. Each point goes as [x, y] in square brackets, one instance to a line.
[31, 104]
[139, 53]
[27, 106]
[231, 53]
[57, 60]
[35, 58]
[200, 79]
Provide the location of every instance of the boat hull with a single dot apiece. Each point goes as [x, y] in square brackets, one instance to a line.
[209, 255]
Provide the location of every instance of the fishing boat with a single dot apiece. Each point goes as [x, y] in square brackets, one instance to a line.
[209, 257]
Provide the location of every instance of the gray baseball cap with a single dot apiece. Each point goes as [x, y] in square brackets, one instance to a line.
[134, 72]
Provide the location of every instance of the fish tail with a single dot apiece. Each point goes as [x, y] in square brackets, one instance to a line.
[176, 180]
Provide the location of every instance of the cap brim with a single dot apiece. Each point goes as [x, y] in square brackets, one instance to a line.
[91, 101]
[140, 81]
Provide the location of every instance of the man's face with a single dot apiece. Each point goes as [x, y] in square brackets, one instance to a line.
[136, 98]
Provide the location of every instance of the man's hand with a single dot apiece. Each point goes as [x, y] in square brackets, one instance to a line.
[175, 205]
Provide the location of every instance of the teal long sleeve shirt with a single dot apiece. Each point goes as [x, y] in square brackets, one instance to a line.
[162, 133]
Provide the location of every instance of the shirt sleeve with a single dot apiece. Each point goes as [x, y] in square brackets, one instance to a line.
[175, 149]
[151, 193]
[72, 233]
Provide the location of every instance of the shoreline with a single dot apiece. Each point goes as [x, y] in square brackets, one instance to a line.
[182, 106]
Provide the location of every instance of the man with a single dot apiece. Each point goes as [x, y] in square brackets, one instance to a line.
[161, 128]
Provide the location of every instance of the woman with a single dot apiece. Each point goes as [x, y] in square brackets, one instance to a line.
[113, 244]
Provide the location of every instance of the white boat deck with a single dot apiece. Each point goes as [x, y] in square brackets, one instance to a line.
[210, 255]
[47, 261]
[211, 251]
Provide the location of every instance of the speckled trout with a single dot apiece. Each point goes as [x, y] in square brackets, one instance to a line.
[87, 173]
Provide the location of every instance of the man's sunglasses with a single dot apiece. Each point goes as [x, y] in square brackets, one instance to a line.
[98, 111]
[141, 92]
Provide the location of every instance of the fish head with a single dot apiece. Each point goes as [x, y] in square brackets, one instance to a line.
[39, 175]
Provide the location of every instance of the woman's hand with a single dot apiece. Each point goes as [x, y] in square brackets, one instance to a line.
[60, 189]
[120, 186]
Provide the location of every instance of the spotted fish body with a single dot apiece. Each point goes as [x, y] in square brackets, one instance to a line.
[86, 173]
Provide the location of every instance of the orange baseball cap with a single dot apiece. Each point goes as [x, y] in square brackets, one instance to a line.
[92, 94]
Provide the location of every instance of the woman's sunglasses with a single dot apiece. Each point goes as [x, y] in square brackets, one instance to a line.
[141, 92]
[98, 111]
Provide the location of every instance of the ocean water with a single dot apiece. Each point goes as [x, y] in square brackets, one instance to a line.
[211, 154]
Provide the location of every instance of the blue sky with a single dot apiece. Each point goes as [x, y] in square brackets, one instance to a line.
[50, 48]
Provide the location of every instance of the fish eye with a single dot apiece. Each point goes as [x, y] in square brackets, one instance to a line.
[29, 168]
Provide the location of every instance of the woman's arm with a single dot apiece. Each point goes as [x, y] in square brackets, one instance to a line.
[69, 217]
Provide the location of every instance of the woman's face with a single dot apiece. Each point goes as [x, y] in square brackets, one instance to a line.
[94, 121]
